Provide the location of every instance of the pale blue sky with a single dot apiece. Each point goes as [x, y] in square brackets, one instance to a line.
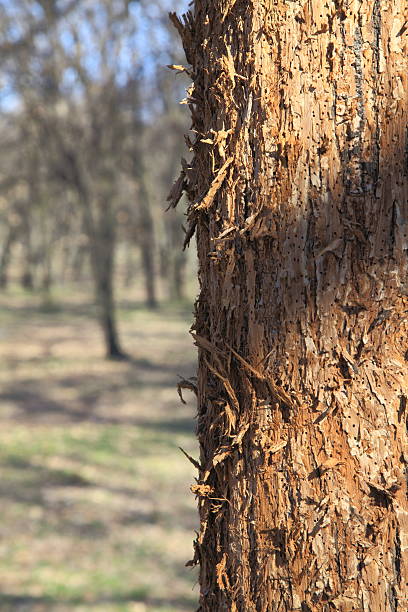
[151, 42]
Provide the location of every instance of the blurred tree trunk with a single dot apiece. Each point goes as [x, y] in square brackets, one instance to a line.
[173, 262]
[6, 256]
[47, 254]
[146, 241]
[179, 270]
[102, 247]
[27, 277]
[129, 263]
[80, 259]
[106, 305]
[177, 260]
[147, 255]
[100, 227]
[299, 195]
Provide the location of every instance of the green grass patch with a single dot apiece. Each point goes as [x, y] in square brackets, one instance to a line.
[96, 509]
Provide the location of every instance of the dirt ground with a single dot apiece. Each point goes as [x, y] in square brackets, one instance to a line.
[95, 502]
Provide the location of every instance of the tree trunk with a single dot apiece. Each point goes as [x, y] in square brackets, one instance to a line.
[5, 256]
[299, 195]
[99, 224]
[80, 259]
[27, 277]
[146, 241]
[177, 258]
[146, 253]
[179, 271]
[106, 306]
[47, 255]
[129, 264]
[102, 255]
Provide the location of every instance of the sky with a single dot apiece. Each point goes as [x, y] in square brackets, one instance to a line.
[146, 49]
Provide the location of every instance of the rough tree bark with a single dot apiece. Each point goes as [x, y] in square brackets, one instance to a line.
[299, 196]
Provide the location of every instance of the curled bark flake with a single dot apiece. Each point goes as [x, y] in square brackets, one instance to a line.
[349, 360]
[218, 356]
[277, 447]
[226, 383]
[382, 316]
[185, 28]
[177, 190]
[231, 418]
[202, 490]
[206, 202]
[239, 437]
[278, 391]
[222, 576]
[189, 234]
[205, 344]
[225, 233]
[247, 365]
[191, 459]
[220, 456]
[189, 384]
[179, 68]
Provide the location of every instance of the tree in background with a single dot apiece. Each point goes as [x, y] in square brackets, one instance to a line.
[81, 115]
[298, 193]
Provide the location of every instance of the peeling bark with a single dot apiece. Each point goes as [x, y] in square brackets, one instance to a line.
[298, 194]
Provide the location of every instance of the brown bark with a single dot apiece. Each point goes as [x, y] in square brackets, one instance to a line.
[299, 195]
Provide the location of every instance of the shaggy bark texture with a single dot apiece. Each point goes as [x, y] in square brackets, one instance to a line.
[299, 197]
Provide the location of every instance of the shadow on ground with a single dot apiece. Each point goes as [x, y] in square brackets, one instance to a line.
[11, 603]
[96, 509]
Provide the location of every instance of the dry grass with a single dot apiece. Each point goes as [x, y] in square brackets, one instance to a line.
[96, 509]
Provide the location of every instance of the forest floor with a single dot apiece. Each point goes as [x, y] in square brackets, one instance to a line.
[96, 512]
